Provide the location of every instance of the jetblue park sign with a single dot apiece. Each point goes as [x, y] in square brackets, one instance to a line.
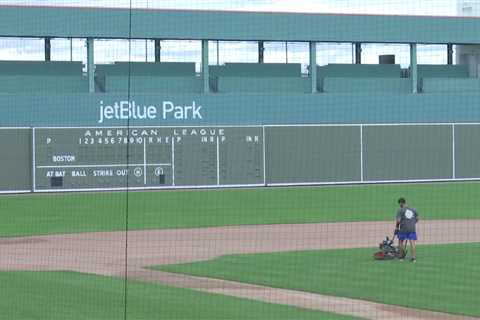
[167, 110]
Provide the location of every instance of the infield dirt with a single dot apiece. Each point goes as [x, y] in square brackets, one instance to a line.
[103, 253]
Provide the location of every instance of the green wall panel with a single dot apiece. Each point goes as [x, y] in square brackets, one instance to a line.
[312, 154]
[467, 151]
[406, 152]
[15, 159]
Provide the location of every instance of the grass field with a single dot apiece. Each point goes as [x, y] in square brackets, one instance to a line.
[57, 295]
[84, 212]
[444, 278]
[440, 280]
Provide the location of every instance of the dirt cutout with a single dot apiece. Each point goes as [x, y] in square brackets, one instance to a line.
[103, 253]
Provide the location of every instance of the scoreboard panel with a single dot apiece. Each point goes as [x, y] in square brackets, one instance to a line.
[147, 157]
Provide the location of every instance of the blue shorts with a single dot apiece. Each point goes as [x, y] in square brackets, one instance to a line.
[407, 236]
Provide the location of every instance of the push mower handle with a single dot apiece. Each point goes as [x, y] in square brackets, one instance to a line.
[395, 234]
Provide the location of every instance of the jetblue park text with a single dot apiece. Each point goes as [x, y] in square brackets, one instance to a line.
[124, 110]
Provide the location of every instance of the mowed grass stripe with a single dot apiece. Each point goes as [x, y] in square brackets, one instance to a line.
[105, 211]
[445, 277]
[63, 295]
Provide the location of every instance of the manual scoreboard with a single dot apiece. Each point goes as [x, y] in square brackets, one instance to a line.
[147, 157]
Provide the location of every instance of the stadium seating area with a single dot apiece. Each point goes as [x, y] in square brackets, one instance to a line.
[41, 77]
[147, 77]
[439, 85]
[69, 77]
[361, 78]
[258, 77]
[446, 78]
[366, 85]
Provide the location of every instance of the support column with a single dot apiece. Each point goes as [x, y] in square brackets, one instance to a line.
[48, 49]
[90, 66]
[286, 52]
[313, 66]
[450, 53]
[158, 48]
[413, 67]
[261, 49]
[71, 49]
[358, 53]
[205, 71]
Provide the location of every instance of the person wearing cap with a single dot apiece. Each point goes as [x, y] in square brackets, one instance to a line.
[406, 221]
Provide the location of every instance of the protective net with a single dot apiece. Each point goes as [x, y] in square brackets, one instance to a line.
[239, 159]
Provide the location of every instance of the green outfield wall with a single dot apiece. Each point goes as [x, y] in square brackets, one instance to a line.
[15, 159]
[44, 159]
